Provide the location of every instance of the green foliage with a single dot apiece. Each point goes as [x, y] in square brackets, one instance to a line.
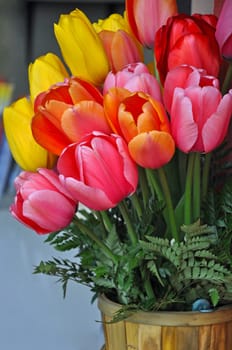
[153, 273]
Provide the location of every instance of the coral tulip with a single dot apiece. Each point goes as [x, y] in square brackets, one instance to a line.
[224, 30]
[66, 112]
[79, 43]
[146, 17]
[187, 40]
[98, 171]
[185, 76]
[44, 72]
[26, 151]
[143, 123]
[134, 77]
[121, 48]
[41, 202]
[200, 117]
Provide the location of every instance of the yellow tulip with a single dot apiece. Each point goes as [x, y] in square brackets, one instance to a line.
[28, 154]
[44, 72]
[81, 47]
[113, 23]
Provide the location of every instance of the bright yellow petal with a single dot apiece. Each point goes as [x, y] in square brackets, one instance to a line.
[44, 72]
[113, 23]
[81, 47]
[25, 150]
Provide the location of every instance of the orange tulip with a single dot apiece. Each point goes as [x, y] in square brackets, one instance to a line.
[66, 112]
[143, 123]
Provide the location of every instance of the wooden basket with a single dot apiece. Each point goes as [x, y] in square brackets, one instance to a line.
[167, 330]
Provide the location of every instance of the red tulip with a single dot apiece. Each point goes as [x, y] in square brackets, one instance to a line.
[41, 202]
[200, 117]
[143, 123]
[134, 77]
[146, 17]
[185, 76]
[188, 40]
[98, 171]
[67, 112]
[224, 29]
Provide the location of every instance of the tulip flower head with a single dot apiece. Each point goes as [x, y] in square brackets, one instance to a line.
[98, 171]
[41, 202]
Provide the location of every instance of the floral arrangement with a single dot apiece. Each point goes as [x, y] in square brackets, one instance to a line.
[126, 155]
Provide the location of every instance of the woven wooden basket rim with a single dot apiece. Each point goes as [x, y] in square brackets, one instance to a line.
[169, 318]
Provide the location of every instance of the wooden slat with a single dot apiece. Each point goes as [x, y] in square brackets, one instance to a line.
[204, 337]
[187, 338]
[115, 337]
[218, 337]
[149, 337]
[169, 338]
[132, 330]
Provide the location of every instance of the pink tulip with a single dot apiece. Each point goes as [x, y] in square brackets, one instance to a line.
[41, 202]
[146, 17]
[134, 77]
[98, 171]
[224, 29]
[200, 117]
[185, 76]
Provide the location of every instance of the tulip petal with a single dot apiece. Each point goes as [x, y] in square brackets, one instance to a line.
[24, 148]
[44, 72]
[84, 118]
[79, 42]
[92, 198]
[184, 129]
[153, 149]
[215, 128]
[55, 209]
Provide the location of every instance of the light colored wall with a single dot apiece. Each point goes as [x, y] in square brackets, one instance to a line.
[202, 6]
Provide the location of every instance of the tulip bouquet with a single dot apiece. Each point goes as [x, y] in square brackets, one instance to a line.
[126, 160]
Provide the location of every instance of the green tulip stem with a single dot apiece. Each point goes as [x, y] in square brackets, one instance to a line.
[205, 174]
[188, 190]
[197, 187]
[130, 230]
[154, 184]
[227, 80]
[136, 204]
[168, 200]
[144, 186]
[106, 220]
[85, 230]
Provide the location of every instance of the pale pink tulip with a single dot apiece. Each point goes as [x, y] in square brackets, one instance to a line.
[134, 77]
[200, 118]
[185, 76]
[41, 202]
[146, 17]
[98, 171]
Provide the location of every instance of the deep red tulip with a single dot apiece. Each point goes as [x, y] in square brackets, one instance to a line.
[98, 171]
[41, 202]
[188, 40]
